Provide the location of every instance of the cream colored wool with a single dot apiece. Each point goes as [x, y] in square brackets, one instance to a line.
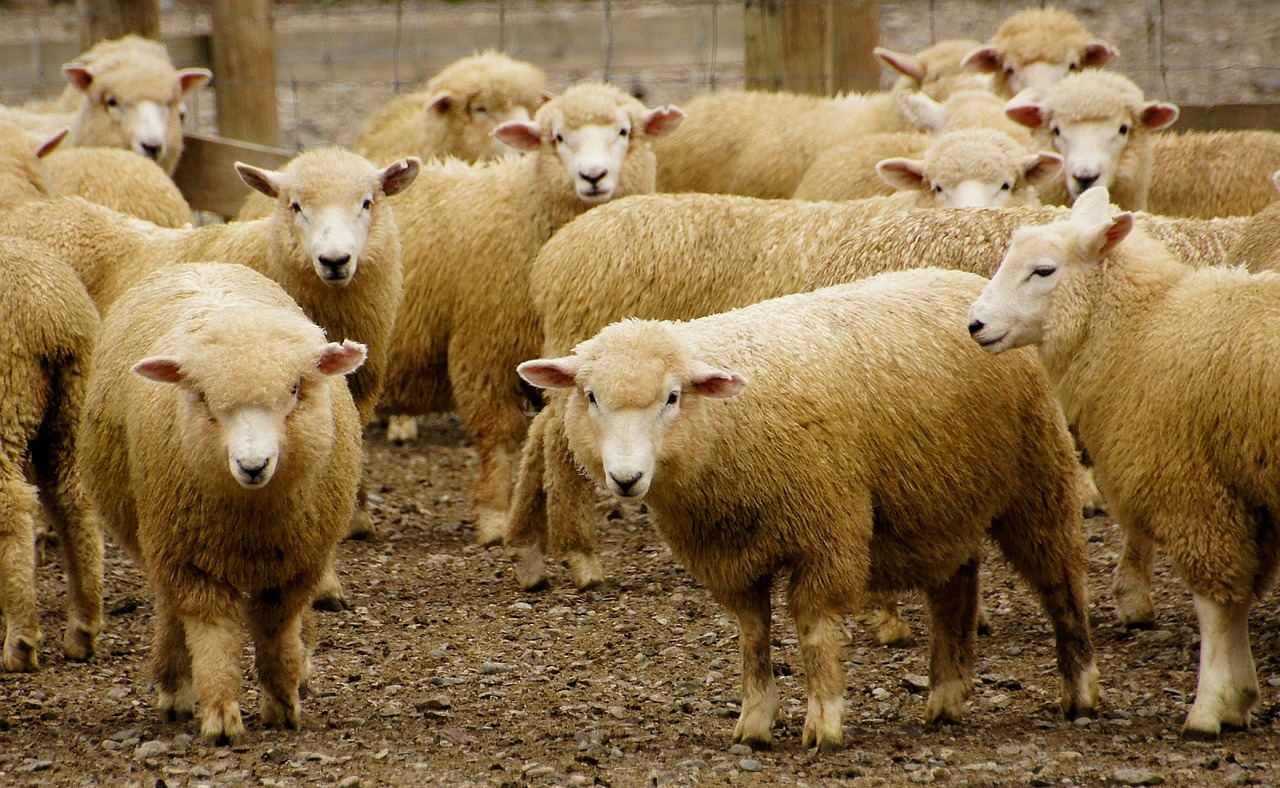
[923, 441]
[1259, 248]
[1177, 419]
[50, 326]
[127, 95]
[222, 541]
[1216, 173]
[469, 234]
[22, 173]
[761, 144]
[119, 180]
[1103, 128]
[1037, 47]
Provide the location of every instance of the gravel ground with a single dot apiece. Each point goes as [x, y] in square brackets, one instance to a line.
[445, 672]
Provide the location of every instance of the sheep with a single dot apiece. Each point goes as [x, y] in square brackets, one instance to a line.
[128, 95]
[22, 174]
[848, 171]
[1259, 248]
[1103, 127]
[711, 424]
[767, 150]
[457, 112]
[1036, 48]
[469, 236]
[222, 447]
[120, 180]
[1176, 420]
[50, 325]
[1218, 173]
[972, 168]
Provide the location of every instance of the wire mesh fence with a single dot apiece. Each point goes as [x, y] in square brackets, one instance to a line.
[337, 61]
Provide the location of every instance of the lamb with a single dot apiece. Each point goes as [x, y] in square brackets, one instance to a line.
[1176, 420]
[762, 155]
[1217, 173]
[222, 446]
[469, 236]
[972, 168]
[127, 95]
[1035, 49]
[709, 422]
[50, 326]
[457, 112]
[1102, 126]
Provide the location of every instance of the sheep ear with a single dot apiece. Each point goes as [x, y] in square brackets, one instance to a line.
[1041, 167]
[78, 74]
[551, 373]
[661, 122]
[984, 60]
[161, 369]
[922, 111]
[708, 381]
[1092, 207]
[1158, 115]
[520, 134]
[442, 102]
[1100, 239]
[1275, 180]
[902, 174]
[47, 147]
[192, 79]
[907, 65]
[266, 181]
[1030, 115]
[546, 96]
[341, 359]
[398, 175]
[1098, 53]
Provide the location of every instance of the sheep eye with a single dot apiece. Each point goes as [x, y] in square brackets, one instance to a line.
[624, 132]
[559, 138]
[673, 398]
[1008, 71]
[293, 392]
[1124, 129]
[368, 204]
[295, 206]
[937, 189]
[1056, 131]
[1044, 270]
[112, 101]
[591, 397]
[1007, 186]
[479, 110]
[1074, 67]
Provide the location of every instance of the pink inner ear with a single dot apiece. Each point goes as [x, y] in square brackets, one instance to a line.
[902, 174]
[521, 135]
[1029, 115]
[341, 359]
[190, 79]
[550, 373]
[51, 143]
[441, 103]
[1117, 231]
[258, 179]
[1156, 116]
[903, 64]
[662, 122]
[719, 385]
[398, 175]
[984, 60]
[1099, 53]
[161, 369]
[78, 75]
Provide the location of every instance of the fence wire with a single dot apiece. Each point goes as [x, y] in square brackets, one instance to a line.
[337, 61]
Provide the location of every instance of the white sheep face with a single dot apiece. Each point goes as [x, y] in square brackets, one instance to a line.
[1017, 306]
[331, 208]
[623, 408]
[251, 423]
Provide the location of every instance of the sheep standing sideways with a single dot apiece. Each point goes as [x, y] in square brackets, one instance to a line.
[778, 438]
[50, 325]
[470, 233]
[1035, 48]
[1179, 423]
[221, 444]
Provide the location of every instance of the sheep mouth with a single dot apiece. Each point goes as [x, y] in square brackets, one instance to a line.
[594, 195]
[992, 345]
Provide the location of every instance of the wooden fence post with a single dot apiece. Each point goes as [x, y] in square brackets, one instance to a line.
[811, 46]
[243, 52]
[103, 19]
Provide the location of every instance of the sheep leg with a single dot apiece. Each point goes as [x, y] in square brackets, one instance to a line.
[275, 625]
[1131, 583]
[1228, 686]
[527, 519]
[880, 615]
[361, 525]
[821, 636]
[759, 691]
[402, 428]
[329, 594]
[80, 535]
[18, 502]
[571, 507]
[171, 665]
[953, 636]
[215, 643]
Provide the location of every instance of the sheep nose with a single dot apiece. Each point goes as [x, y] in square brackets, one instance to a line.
[594, 177]
[252, 469]
[335, 262]
[1085, 181]
[151, 149]
[625, 485]
[975, 327]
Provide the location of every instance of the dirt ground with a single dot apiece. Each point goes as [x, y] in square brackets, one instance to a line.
[445, 672]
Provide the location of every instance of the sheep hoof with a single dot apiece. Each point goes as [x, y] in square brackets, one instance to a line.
[220, 724]
[894, 633]
[813, 739]
[491, 528]
[178, 706]
[531, 568]
[21, 654]
[330, 603]
[402, 429]
[983, 623]
[79, 642]
[586, 570]
[946, 702]
[278, 713]
[361, 526]
[1200, 734]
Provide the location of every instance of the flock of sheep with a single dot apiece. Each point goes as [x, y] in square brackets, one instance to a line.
[775, 360]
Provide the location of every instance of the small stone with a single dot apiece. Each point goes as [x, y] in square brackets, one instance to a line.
[617, 712]
[112, 746]
[881, 694]
[181, 743]
[1083, 722]
[750, 765]
[200, 773]
[434, 703]
[151, 749]
[495, 668]
[915, 683]
[1136, 777]
[520, 607]
[32, 765]
[534, 772]
[350, 782]
[740, 750]
[126, 734]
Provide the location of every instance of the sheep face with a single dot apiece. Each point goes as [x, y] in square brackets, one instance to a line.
[472, 119]
[1046, 267]
[591, 129]
[627, 400]
[278, 396]
[1037, 48]
[977, 168]
[140, 109]
[329, 201]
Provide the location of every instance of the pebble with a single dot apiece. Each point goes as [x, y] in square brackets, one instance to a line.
[750, 765]
[350, 782]
[495, 668]
[1083, 722]
[915, 683]
[1136, 777]
[534, 772]
[740, 750]
[151, 749]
